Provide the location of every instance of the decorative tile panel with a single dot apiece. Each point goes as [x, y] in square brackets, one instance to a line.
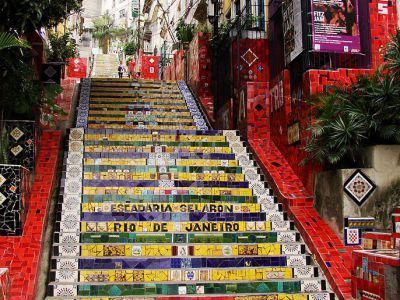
[13, 199]
[83, 107]
[22, 142]
[359, 187]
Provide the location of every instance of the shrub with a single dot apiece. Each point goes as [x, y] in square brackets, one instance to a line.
[61, 47]
[364, 113]
[130, 48]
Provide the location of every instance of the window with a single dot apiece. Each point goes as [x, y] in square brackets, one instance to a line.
[122, 13]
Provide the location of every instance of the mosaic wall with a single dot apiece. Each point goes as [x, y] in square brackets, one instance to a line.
[14, 189]
[22, 141]
[83, 106]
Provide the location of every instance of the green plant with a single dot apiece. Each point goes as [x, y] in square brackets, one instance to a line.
[104, 31]
[48, 107]
[219, 41]
[8, 40]
[61, 47]
[251, 22]
[184, 32]
[349, 118]
[203, 28]
[27, 16]
[131, 47]
[22, 94]
[392, 55]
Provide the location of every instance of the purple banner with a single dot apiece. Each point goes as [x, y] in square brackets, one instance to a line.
[335, 26]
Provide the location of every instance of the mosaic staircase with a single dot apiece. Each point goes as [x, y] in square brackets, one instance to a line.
[157, 205]
[105, 65]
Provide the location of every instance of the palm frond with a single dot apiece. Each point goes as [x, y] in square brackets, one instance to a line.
[7, 40]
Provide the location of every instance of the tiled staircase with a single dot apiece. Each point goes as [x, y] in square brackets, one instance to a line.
[155, 205]
[105, 65]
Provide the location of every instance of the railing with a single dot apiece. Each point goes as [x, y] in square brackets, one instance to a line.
[22, 142]
[250, 18]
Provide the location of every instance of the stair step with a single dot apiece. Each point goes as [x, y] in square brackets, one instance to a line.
[279, 296]
[198, 288]
[288, 237]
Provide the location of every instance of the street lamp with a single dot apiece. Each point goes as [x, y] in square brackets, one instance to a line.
[213, 12]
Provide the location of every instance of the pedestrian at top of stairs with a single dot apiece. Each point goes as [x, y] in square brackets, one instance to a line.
[121, 69]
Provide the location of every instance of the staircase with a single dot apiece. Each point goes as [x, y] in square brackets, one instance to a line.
[105, 66]
[155, 204]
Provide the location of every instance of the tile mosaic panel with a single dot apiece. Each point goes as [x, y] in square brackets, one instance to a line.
[22, 141]
[192, 106]
[359, 187]
[83, 106]
[14, 191]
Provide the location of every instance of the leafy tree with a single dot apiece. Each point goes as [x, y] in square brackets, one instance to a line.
[105, 30]
[27, 15]
[62, 47]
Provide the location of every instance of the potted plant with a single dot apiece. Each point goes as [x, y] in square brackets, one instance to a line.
[184, 33]
[61, 48]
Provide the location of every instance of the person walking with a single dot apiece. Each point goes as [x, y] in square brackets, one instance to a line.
[121, 69]
[131, 68]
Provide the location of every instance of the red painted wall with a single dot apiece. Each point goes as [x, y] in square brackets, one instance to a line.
[252, 61]
[77, 67]
[149, 66]
[200, 72]
[179, 64]
[285, 111]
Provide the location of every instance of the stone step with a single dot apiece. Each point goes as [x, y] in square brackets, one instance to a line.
[68, 224]
[289, 237]
[89, 215]
[160, 169]
[142, 100]
[133, 93]
[145, 131]
[178, 176]
[138, 113]
[91, 273]
[185, 250]
[265, 200]
[198, 288]
[116, 106]
[140, 119]
[141, 126]
[155, 137]
[266, 296]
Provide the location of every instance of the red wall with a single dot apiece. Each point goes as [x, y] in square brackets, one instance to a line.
[149, 66]
[200, 72]
[77, 67]
[285, 111]
[252, 61]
